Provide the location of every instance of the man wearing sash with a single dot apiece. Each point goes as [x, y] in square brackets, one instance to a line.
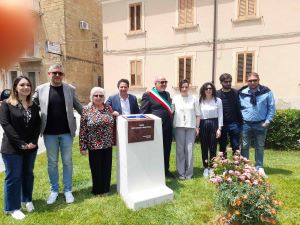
[157, 101]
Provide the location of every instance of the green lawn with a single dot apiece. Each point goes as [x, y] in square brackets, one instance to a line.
[193, 199]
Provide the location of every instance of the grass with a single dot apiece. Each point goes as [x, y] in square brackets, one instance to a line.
[193, 199]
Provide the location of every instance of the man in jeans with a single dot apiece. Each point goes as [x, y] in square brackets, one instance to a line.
[57, 100]
[258, 109]
[232, 117]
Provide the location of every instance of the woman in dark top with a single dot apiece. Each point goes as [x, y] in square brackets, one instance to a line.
[96, 139]
[20, 120]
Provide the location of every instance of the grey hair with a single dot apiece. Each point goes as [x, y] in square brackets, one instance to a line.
[56, 66]
[94, 90]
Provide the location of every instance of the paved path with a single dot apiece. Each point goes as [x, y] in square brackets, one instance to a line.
[40, 143]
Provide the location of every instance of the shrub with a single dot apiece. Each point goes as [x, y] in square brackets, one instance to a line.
[284, 130]
[244, 195]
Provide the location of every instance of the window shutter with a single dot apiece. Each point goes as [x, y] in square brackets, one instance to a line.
[240, 68]
[242, 8]
[132, 18]
[249, 63]
[138, 17]
[188, 69]
[189, 12]
[181, 69]
[251, 7]
[181, 11]
[139, 73]
[132, 73]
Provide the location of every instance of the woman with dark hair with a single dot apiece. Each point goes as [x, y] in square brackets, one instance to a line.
[186, 121]
[211, 114]
[20, 120]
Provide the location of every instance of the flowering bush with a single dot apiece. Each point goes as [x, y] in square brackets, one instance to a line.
[243, 194]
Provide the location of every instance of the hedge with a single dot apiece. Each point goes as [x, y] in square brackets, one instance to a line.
[284, 130]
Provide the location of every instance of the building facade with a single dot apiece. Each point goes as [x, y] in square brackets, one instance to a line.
[201, 39]
[69, 32]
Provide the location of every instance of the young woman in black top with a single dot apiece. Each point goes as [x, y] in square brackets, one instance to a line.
[20, 120]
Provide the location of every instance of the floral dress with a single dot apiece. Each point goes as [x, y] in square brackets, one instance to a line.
[96, 128]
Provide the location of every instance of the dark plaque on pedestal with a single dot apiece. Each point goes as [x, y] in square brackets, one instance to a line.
[140, 128]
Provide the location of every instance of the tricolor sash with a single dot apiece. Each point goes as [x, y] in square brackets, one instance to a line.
[154, 93]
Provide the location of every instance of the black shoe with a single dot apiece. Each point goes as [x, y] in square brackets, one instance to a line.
[169, 174]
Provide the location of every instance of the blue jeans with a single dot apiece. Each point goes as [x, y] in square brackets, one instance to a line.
[18, 183]
[255, 131]
[54, 144]
[234, 132]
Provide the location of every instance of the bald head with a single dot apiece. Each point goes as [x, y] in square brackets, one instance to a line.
[160, 83]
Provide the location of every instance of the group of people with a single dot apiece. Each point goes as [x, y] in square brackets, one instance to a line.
[50, 112]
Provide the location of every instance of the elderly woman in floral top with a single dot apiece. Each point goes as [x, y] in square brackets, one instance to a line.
[96, 139]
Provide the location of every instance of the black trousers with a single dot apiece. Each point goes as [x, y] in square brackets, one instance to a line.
[208, 140]
[100, 163]
[167, 142]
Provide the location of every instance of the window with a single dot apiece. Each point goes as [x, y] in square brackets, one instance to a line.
[185, 68]
[136, 73]
[246, 9]
[32, 78]
[185, 12]
[13, 76]
[135, 13]
[245, 64]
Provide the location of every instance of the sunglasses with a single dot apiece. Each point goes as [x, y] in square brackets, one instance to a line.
[209, 88]
[163, 82]
[253, 81]
[57, 73]
[98, 96]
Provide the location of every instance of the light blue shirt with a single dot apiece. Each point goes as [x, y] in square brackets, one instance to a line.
[264, 109]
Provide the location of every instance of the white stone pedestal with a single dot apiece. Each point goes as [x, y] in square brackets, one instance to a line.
[141, 175]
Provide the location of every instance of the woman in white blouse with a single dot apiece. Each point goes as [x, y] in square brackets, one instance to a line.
[186, 121]
[211, 114]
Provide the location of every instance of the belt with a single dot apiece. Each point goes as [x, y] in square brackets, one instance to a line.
[261, 121]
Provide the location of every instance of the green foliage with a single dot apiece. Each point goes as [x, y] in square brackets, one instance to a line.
[244, 195]
[284, 130]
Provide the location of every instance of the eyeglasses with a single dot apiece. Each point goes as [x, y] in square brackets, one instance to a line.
[163, 82]
[253, 81]
[209, 88]
[98, 96]
[57, 73]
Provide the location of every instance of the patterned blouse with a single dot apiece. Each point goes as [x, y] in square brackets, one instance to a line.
[96, 128]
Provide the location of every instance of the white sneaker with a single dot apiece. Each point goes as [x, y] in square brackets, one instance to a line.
[17, 214]
[69, 197]
[52, 198]
[211, 172]
[205, 173]
[29, 206]
[261, 172]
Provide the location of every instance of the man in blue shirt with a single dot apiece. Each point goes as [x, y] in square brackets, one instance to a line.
[258, 109]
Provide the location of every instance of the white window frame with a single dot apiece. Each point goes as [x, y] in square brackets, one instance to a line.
[235, 64]
[236, 12]
[181, 55]
[140, 58]
[130, 2]
[177, 17]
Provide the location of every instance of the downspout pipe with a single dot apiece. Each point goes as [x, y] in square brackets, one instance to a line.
[214, 44]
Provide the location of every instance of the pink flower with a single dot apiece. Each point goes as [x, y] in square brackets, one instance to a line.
[247, 181]
[237, 173]
[220, 154]
[215, 165]
[255, 182]
[236, 162]
[231, 172]
[235, 158]
[242, 177]
[229, 180]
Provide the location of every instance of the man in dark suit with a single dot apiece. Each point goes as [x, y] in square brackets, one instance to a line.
[157, 101]
[123, 103]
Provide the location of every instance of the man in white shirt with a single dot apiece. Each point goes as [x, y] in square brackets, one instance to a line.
[123, 103]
